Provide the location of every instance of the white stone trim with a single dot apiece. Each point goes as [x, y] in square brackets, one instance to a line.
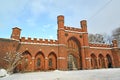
[115, 48]
[26, 49]
[43, 44]
[76, 32]
[61, 57]
[33, 58]
[40, 49]
[87, 58]
[46, 57]
[85, 46]
[99, 48]
[10, 39]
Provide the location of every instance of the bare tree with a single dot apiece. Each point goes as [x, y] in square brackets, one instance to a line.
[100, 38]
[116, 35]
[96, 38]
[107, 38]
[13, 59]
[91, 37]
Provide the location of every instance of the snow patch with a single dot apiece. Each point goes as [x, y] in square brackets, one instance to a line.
[3, 73]
[97, 74]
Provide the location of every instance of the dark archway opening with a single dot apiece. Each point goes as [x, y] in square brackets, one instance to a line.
[109, 61]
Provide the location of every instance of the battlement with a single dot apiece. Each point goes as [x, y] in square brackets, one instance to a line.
[72, 29]
[35, 40]
[99, 45]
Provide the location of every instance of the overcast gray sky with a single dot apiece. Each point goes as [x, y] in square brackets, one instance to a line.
[37, 18]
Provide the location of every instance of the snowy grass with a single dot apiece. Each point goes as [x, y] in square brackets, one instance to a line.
[97, 74]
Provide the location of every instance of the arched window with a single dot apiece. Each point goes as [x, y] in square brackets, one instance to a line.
[38, 62]
[50, 62]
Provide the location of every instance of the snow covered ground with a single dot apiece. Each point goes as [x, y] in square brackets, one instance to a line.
[3, 73]
[97, 74]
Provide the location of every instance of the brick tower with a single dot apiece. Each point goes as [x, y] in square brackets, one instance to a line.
[16, 33]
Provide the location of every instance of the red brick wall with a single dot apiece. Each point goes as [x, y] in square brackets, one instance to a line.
[7, 45]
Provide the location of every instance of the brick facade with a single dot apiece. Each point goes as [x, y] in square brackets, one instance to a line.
[71, 50]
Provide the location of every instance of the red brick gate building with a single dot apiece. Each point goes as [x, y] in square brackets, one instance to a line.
[71, 50]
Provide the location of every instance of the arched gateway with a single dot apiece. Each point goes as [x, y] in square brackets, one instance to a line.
[74, 54]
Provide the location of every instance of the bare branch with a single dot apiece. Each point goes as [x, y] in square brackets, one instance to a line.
[13, 59]
[116, 35]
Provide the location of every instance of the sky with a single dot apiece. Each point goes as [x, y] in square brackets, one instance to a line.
[38, 18]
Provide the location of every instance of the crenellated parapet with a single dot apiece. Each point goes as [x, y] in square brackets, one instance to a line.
[35, 40]
[113, 45]
[99, 45]
[72, 29]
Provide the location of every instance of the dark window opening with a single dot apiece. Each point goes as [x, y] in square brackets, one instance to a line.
[38, 62]
[50, 62]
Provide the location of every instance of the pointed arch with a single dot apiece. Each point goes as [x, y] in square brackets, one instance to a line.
[73, 42]
[27, 61]
[109, 61]
[52, 61]
[39, 61]
[93, 61]
[74, 51]
[25, 53]
[101, 61]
